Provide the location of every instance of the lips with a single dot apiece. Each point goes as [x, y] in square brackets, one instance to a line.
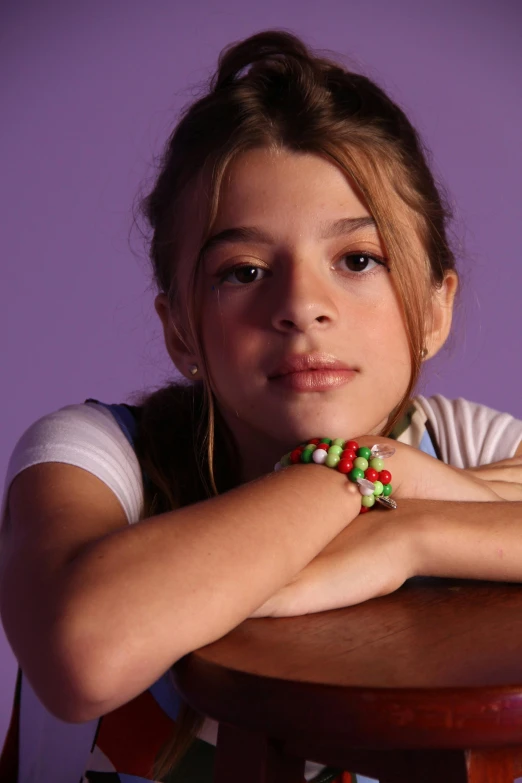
[298, 363]
[311, 373]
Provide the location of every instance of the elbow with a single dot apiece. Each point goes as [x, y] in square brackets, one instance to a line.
[84, 689]
[79, 671]
[67, 677]
[97, 677]
[67, 687]
[62, 680]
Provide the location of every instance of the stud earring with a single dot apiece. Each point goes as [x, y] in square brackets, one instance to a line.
[423, 353]
[193, 369]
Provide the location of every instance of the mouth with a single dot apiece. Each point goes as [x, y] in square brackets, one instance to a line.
[313, 380]
[312, 372]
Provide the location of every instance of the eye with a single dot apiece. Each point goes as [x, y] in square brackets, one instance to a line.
[242, 274]
[361, 262]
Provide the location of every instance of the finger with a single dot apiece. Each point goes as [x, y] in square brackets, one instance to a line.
[508, 462]
[506, 489]
[508, 473]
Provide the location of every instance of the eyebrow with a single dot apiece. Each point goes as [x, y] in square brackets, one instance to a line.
[245, 234]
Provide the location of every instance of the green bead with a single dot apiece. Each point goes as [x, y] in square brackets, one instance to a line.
[365, 452]
[360, 462]
[334, 450]
[310, 447]
[355, 473]
[285, 461]
[306, 455]
[339, 442]
[326, 440]
[332, 460]
[378, 488]
[386, 490]
[377, 463]
[368, 501]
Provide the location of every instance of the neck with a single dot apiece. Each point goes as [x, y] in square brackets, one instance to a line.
[258, 453]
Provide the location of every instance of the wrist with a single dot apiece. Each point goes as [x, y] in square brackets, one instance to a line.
[332, 491]
[362, 465]
[430, 530]
[413, 534]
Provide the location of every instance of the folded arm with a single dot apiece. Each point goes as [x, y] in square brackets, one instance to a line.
[377, 552]
[479, 537]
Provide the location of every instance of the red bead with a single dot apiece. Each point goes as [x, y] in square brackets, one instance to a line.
[324, 446]
[348, 454]
[315, 441]
[371, 474]
[364, 509]
[385, 476]
[344, 465]
[352, 444]
[295, 456]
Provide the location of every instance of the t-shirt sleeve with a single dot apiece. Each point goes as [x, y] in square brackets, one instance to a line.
[469, 434]
[88, 436]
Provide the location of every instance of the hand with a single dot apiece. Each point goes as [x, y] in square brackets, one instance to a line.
[372, 556]
[418, 475]
[503, 477]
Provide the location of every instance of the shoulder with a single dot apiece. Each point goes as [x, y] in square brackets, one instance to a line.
[84, 424]
[86, 435]
[468, 433]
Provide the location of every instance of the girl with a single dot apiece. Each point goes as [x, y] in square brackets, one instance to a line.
[299, 248]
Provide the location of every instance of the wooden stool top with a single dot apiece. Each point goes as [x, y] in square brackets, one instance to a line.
[437, 664]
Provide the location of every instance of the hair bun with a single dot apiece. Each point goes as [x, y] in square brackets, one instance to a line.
[270, 44]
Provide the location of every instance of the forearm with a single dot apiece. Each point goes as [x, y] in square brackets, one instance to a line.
[142, 597]
[469, 540]
[376, 553]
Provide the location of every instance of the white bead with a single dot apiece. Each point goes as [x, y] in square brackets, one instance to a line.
[365, 487]
[278, 466]
[319, 456]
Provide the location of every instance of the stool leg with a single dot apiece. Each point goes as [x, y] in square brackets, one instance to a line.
[490, 766]
[243, 756]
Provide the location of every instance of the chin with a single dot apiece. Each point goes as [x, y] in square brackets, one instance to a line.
[323, 427]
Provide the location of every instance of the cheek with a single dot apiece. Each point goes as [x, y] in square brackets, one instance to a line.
[386, 347]
[227, 340]
[384, 325]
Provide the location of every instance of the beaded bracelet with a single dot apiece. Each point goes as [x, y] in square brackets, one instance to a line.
[363, 466]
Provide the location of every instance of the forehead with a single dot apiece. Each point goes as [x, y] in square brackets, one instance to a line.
[282, 187]
[284, 192]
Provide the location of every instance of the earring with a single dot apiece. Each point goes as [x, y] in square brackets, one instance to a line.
[193, 369]
[423, 353]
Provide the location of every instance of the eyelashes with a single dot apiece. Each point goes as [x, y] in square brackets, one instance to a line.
[241, 275]
[244, 270]
[359, 262]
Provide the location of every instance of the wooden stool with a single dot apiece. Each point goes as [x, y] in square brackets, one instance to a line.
[421, 686]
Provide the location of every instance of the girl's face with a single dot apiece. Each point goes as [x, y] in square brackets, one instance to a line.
[301, 326]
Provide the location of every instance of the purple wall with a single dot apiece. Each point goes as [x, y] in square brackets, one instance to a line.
[92, 89]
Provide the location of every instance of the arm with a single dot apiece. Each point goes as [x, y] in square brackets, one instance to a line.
[470, 541]
[380, 550]
[96, 610]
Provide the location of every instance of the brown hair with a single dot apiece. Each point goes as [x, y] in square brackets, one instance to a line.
[271, 90]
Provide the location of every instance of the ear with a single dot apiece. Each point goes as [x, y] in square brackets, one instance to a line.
[180, 351]
[442, 313]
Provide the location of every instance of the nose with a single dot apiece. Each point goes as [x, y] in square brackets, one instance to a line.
[304, 302]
